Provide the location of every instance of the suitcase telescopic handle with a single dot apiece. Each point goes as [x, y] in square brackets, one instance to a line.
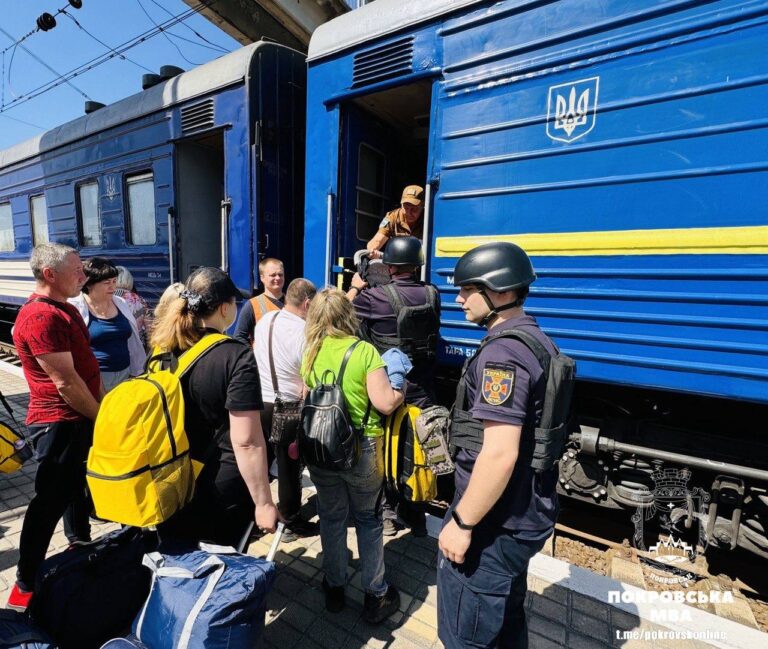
[275, 541]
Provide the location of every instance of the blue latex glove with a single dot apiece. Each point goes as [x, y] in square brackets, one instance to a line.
[398, 365]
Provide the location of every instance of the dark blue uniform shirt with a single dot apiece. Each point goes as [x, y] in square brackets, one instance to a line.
[506, 384]
[376, 314]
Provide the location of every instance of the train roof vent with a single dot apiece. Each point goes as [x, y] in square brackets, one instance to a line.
[395, 59]
[197, 116]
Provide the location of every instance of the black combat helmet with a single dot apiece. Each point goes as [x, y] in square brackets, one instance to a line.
[497, 266]
[404, 251]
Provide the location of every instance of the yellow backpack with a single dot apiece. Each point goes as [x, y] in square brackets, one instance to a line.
[14, 450]
[405, 463]
[139, 468]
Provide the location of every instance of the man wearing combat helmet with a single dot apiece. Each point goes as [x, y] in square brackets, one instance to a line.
[504, 509]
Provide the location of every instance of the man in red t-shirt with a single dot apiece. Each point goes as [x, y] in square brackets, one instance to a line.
[64, 392]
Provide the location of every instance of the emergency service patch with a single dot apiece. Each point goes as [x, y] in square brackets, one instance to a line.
[498, 382]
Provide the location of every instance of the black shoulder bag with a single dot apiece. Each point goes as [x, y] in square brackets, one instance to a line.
[286, 416]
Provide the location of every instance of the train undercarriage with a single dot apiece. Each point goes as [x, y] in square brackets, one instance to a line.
[695, 468]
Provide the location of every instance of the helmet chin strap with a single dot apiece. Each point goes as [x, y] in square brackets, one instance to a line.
[494, 310]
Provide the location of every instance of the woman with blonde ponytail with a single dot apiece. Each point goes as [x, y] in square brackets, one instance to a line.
[222, 402]
[330, 330]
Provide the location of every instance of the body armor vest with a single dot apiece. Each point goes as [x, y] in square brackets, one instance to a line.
[541, 444]
[417, 327]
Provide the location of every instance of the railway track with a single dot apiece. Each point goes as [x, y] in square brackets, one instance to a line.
[601, 544]
[8, 354]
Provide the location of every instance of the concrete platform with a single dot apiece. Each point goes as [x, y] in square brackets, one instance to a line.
[567, 606]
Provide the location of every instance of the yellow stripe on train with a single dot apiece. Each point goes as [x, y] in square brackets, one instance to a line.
[747, 240]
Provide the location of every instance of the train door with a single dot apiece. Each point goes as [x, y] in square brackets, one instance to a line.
[279, 151]
[384, 147]
[196, 239]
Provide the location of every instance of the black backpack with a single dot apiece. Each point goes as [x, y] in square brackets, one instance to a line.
[327, 438]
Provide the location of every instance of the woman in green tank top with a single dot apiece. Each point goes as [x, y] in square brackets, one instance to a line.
[330, 331]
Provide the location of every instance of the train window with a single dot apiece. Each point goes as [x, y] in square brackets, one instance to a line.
[370, 191]
[141, 209]
[7, 242]
[39, 209]
[88, 210]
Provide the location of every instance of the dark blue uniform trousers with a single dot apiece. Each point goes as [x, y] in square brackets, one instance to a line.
[480, 603]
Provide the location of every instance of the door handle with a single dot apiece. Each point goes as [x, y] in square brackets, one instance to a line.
[226, 206]
[171, 243]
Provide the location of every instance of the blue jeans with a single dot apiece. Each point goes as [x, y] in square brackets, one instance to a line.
[480, 602]
[358, 490]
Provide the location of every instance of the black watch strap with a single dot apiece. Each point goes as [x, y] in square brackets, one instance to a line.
[462, 525]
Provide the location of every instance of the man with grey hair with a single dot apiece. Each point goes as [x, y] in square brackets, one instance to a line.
[279, 346]
[64, 392]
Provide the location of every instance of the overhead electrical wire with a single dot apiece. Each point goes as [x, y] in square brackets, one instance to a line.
[101, 42]
[168, 38]
[216, 46]
[41, 62]
[76, 5]
[21, 121]
[96, 61]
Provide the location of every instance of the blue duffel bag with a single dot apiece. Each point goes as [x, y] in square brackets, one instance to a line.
[211, 598]
[16, 632]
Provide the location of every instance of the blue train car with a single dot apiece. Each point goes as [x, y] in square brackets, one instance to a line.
[624, 145]
[204, 168]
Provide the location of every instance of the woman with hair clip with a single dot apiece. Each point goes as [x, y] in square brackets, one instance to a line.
[115, 338]
[330, 331]
[222, 400]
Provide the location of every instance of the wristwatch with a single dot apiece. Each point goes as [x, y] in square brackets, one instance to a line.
[354, 287]
[462, 525]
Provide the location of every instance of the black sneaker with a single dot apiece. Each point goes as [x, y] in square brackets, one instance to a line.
[378, 609]
[334, 597]
[299, 529]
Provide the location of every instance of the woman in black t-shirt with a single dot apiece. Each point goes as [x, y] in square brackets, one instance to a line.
[222, 400]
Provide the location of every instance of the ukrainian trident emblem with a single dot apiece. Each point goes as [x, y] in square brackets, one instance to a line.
[572, 109]
[111, 188]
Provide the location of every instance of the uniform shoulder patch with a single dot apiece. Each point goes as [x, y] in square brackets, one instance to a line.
[498, 383]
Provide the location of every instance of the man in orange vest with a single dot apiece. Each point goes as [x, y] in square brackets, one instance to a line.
[272, 277]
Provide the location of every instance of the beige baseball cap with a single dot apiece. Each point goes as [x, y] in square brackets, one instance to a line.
[412, 194]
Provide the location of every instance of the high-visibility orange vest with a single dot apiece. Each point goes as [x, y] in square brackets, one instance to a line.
[261, 306]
